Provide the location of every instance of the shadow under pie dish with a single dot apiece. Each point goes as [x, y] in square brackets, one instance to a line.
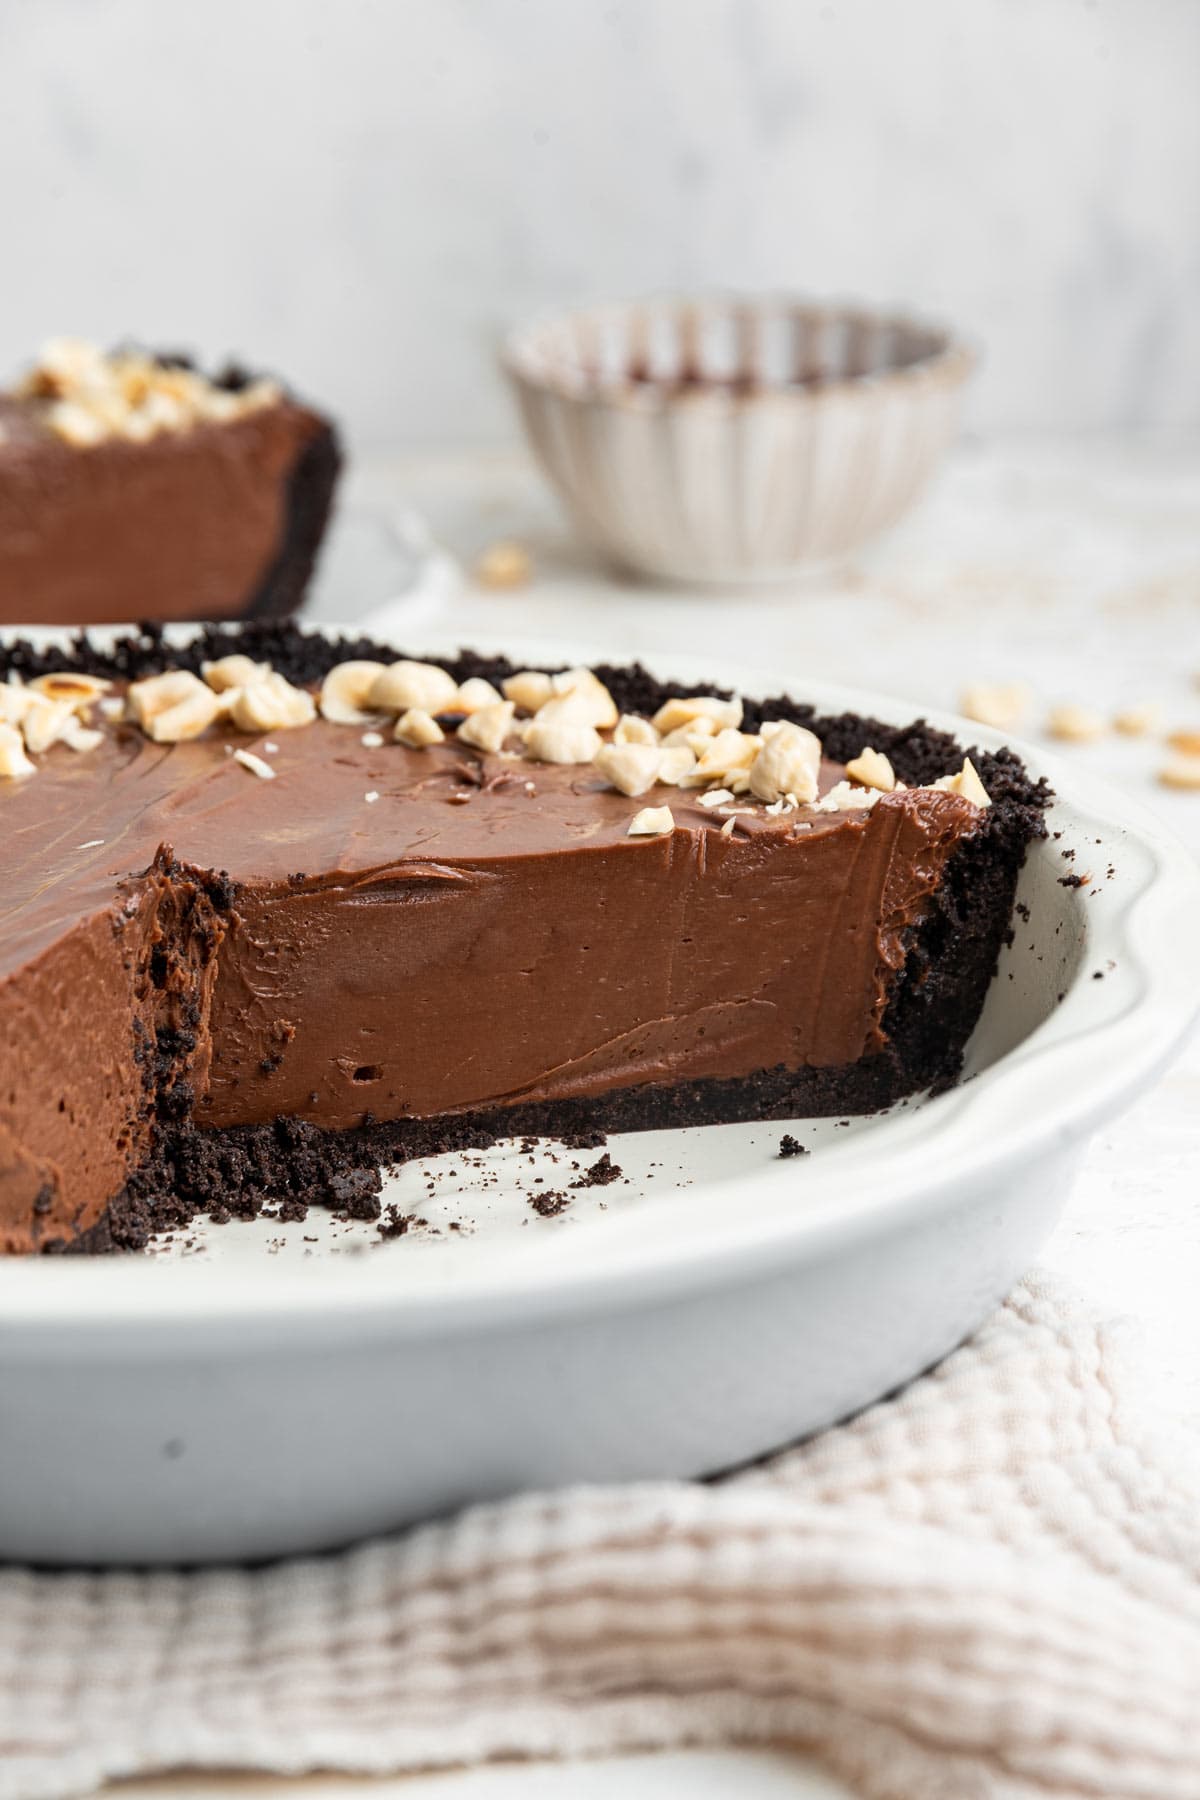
[256, 945]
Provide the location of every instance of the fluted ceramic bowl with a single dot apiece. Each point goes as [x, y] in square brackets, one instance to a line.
[733, 441]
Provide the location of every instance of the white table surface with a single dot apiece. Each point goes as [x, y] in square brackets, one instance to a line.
[1073, 566]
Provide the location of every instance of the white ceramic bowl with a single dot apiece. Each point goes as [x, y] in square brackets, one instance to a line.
[734, 441]
[278, 1394]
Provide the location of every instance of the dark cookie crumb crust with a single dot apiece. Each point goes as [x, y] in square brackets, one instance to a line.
[288, 1165]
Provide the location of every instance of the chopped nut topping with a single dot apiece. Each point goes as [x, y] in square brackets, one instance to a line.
[1001, 704]
[79, 691]
[474, 695]
[488, 728]
[506, 564]
[1138, 721]
[788, 763]
[14, 764]
[1186, 742]
[602, 708]
[873, 770]
[233, 672]
[80, 737]
[1180, 772]
[371, 796]
[91, 397]
[255, 764]
[675, 765]
[682, 710]
[418, 729]
[632, 730]
[270, 703]
[174, 706]
[44, 722]
[652, 821]
[714, 797]
[693, 735]
[739, 781]
[371, 740]
[403, 686]
[529, 689]
[845, 797]
[1075, 724]
[729, 827]
[966, 784]
[346, 691]
[631, 768]
[561, 741]
[114, 708]
[724, 755]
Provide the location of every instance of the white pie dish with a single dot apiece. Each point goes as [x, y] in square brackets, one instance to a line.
[251, 1402]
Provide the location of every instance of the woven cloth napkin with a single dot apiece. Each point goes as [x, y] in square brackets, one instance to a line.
[987, 1586]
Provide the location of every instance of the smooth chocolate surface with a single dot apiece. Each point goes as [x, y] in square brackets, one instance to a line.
[197, 524]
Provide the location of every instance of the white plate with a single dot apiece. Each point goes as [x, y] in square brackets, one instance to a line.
[291, 1387]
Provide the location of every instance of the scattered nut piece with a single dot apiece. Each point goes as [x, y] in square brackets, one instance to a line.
[631, 768]
[694, 734]
[652, 821]
[488, 728]
[528, 688]
[602, 708]
[729, 827]
[788, 763]
[714, 797]
[632, 730]
[873, 770]
[675, 765]
[724, 754]
[1138, 721]
[562, 741]
[845, 797]
[79, 691]
[473, 696]
[739, 781]
[1181, 772]
[1001, 704]
[76, 425]
[372, 740]
[506, 564]
[14, 764]
[80, 737]
[346, 691]
[44, 722]
[403, 686]
[966, 784]
[113, 708]
[1075, 724]
[255, 764]
[233, 672]
[418, 729]
[683, 709]
[371, 796]
[1186, 742]
[173, 706]
[270, 703]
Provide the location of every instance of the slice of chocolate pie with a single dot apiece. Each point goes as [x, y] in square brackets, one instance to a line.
[276, 910]
[132, 486]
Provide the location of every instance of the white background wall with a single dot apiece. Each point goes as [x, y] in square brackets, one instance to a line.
[363, 194]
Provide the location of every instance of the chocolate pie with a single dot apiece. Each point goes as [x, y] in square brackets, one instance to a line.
[278, 910]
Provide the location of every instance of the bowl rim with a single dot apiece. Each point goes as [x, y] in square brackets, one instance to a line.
[948, 364]
[1085, 1062]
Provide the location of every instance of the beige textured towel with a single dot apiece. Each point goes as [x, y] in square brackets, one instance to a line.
[986, 1587]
